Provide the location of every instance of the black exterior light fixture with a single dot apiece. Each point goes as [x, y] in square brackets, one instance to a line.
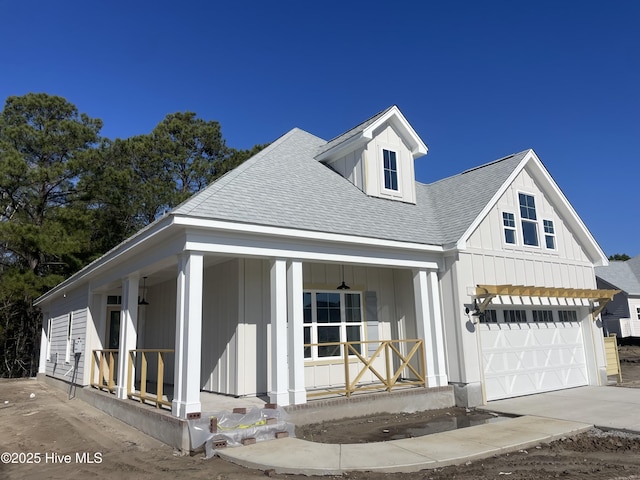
[144, 292]
[343, 286]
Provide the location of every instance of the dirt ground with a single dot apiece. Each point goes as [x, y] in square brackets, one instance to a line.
[50, 436]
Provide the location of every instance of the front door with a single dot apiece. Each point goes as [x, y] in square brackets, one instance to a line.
[113, 329]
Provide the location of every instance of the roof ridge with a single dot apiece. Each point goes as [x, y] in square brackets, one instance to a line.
[380, 113]
[488, 164]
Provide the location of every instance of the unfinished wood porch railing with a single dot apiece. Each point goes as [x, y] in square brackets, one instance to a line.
[143, 395]
[394, 362]
[107, 361]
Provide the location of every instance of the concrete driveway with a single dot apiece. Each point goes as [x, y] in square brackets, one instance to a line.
[605, 407]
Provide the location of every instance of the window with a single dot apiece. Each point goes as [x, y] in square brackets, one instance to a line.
[390, 166]
[489, 316]
[549, 234]
[509, 222]
[114, 300]
[331, 317]
[515, 316]
[567, 315]
[529, 219]
[638, 312]
[542, 316]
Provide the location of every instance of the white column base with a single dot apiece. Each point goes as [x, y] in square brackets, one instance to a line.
[279, 398]
[439, 381]
[121, 392]
[297, 397]
[181, 409]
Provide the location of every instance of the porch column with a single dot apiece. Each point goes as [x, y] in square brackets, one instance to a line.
[278, 392]
[186, 383]
[436, 323]
[295, 311]
[423, 320]
[128, 332]
[44, 342]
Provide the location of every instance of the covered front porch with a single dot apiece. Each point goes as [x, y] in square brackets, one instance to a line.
[279, 328]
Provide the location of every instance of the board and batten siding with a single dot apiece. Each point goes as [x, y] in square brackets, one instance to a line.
[351, 167]
[59, 363]
[489, 235]
[219, 328]
[157, 327]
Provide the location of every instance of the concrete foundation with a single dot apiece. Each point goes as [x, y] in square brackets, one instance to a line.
[410, 400]
[158, 424]
[161, 425]
[468, 394]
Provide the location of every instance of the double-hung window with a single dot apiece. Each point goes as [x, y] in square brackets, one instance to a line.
[529, 219]
[509, 223]
[390, 168]
[638, 312]
[549, 234]
[331, 317]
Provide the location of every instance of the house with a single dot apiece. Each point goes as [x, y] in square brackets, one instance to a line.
[622, 314]
[316, 257]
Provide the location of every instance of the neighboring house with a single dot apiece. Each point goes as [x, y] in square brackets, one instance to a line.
[622, 314]
[492, 269]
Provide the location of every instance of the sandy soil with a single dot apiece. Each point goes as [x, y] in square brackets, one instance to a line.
[50, 436]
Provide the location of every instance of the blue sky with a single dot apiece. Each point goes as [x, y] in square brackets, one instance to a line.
[477, 80]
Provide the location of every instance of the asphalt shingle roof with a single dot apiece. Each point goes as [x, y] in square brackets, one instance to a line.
[622, 275]
[284, 185]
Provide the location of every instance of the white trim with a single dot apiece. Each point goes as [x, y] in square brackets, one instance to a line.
[222, 225]
[395, 118]
[49, 325]
[279, 388]
[384, 191]
[67, 355]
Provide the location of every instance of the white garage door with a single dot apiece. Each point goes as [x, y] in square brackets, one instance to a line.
[522, 358]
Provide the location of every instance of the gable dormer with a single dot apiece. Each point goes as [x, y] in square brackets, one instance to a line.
[377, 156]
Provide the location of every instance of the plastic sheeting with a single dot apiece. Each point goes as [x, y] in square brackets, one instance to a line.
[214, 428]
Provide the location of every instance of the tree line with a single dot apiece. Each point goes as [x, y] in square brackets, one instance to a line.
[68, 195]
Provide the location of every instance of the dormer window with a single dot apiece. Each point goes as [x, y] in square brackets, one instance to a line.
[390, 165]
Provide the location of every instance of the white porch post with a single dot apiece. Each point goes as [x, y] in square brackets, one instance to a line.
[423, 320]
[128, 332]
[44, 342]
[186, 385]
[436, 323]
[278, 392]
[297, 390]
